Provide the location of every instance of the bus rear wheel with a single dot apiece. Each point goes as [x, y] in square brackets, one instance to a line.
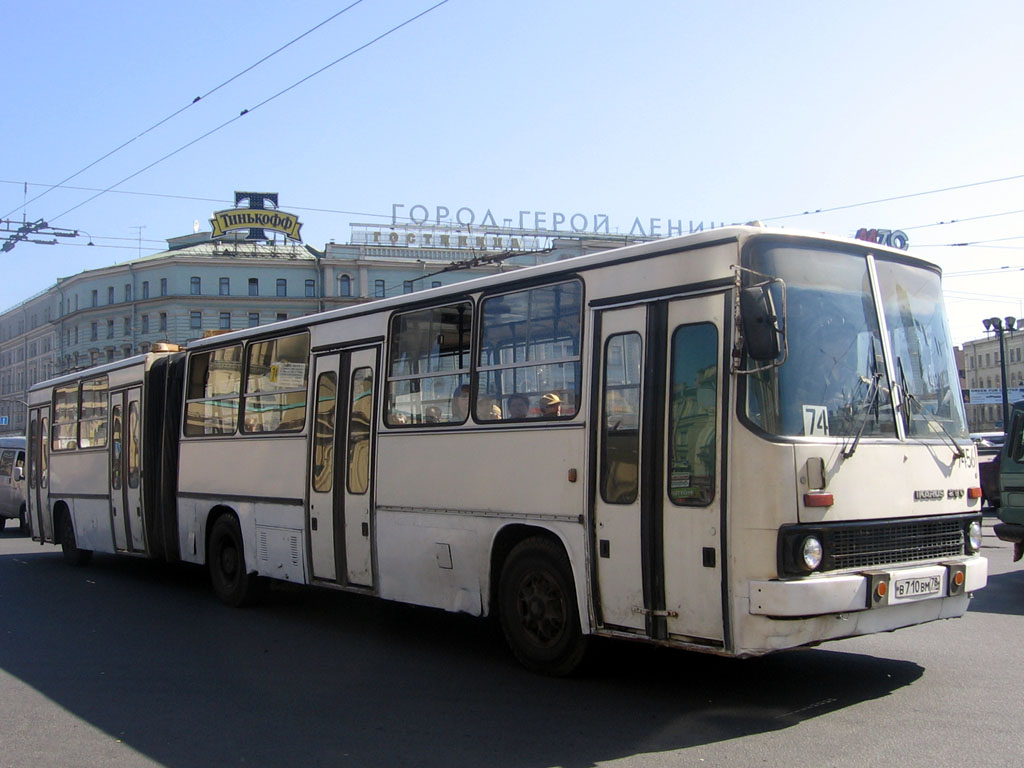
[69, 546]
[226, 559]
[538, 610]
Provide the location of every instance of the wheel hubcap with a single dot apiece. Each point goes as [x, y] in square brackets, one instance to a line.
[542, 609]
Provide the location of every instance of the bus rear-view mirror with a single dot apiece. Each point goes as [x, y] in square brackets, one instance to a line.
[761, 333]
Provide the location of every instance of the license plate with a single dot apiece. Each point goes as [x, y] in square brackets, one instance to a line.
[919, 586]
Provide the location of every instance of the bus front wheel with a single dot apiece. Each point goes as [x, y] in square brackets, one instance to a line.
[226, 559]
[538, 610]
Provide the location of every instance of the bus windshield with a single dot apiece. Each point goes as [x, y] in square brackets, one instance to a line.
[835, 381]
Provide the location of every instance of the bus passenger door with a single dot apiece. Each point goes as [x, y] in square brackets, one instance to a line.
[133, 473]
[617, 503]
[690, 491]
[39, 473]
[340, 489]
[115, 450]
[657, 521]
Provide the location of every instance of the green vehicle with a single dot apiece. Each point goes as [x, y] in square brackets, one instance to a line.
[1011, 484]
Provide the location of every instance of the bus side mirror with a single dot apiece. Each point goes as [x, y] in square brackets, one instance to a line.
[761, 333]
[19, 473]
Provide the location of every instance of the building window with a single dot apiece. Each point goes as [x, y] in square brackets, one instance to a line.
[225, 320]
[145, 289]
[310, 288]
[145, 323]
[196, 286]
[127, 350]
[378, 289]
[282, 316]
[344, 285]
[282, 286]
[163, 286]
[110, 329]
[163, 321]
[110, 355]
[254, 286]
[94, 334]
[254, 319]
[224, 287]
[407, 286]
[95, 298]
[127, 292]
[195, 319]
[127, 326]
[435, 283]
[110, 294]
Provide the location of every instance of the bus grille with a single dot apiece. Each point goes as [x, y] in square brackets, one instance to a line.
[895, 541]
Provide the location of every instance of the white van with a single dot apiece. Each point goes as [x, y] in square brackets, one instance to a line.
[12, 482]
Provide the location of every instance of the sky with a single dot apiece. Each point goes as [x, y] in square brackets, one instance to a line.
[828, 117]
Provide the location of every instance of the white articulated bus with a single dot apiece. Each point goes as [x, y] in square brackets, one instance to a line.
[737, 441]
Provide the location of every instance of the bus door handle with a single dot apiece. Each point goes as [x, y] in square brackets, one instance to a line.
[649, 612]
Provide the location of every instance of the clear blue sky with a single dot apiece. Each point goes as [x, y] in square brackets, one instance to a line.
[724, 111]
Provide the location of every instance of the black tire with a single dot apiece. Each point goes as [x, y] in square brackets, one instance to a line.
[23, 527]
[69, 547]
[226, 559]
[538, 610]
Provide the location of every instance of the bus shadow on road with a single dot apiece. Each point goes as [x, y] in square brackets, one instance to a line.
[143, 652]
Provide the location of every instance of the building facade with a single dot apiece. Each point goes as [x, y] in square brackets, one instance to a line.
[983, 379]
[204, 283]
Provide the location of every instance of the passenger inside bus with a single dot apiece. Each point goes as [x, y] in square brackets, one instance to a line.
[551, 405]
[460, 404]
[518, 406]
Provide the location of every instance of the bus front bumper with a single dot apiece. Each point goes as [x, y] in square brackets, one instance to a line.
[823, 594]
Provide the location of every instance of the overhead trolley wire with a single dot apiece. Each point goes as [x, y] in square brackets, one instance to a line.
[177, 112]
[266, 101]
[894, 198]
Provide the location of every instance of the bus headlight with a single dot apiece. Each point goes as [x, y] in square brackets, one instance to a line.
[811, 552]
[974, 536]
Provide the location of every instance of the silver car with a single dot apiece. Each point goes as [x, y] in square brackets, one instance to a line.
[12, 482]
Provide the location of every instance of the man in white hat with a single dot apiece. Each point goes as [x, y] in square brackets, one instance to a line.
[551, 405]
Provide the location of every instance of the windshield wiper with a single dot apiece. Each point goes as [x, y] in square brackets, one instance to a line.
[958, 452]
[871, 401]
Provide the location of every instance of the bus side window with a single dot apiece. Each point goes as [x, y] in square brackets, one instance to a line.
[323, 432]
[530, 345]
[620, 441]
[359, 430]
[116, 447]
[275, 387]
[693, 415]
[92, 424]
[212, 390]
[134, 447]
[65, 418]
[33, 431]
[428, 366]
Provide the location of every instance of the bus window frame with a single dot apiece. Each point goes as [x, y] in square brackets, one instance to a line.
[463, 376]
[247, 394]
[100, 421]
[569, 396]
[187, 400]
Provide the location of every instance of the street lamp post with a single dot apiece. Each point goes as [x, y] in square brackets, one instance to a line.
[1000, 326]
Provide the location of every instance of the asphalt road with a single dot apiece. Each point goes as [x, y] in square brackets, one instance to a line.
[134, 663]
